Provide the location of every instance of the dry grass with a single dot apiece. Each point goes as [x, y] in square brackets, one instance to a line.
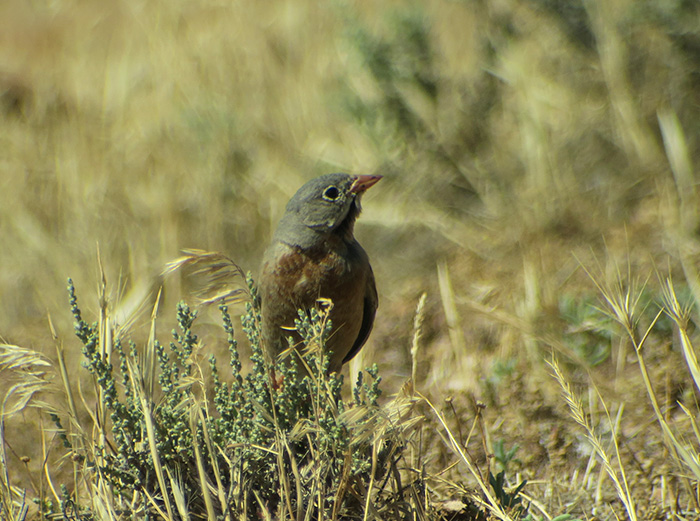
[521, 142]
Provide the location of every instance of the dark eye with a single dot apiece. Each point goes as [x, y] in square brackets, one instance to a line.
[331, 193]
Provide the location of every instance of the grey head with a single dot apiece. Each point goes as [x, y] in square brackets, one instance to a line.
[325, 206]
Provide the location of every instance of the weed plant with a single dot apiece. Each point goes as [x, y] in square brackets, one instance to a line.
[276, 443]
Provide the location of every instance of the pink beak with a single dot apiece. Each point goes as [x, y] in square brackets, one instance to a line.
[363, 182]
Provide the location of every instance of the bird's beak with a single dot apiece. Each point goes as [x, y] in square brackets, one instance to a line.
[363, 182]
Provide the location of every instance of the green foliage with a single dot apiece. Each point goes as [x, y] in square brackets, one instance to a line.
[404, 58]
[504, 456]
[589, 332]
[130, 467]
[297, 424]
[509, 501]
[398, 110]
[280, 439]
[502, 369]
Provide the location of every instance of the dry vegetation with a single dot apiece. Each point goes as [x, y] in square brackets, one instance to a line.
[540, 189]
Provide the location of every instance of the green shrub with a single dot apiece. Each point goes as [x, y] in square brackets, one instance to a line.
[280, 441]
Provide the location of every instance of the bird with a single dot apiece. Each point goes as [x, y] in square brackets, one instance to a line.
[314, 255]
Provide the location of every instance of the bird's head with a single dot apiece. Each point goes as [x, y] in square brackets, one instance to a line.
[325, 206]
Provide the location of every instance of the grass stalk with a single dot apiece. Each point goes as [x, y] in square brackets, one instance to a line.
[492, 504]
[579, 416]
[417, 332]
[151, 432]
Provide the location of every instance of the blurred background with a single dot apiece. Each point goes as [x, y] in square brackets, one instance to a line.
[519, 140]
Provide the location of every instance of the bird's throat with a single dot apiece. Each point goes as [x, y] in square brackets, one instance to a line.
[346, 227]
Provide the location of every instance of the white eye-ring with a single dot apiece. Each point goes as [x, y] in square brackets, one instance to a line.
[331, 193]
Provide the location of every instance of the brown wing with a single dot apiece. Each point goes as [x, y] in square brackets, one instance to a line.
[369, 311]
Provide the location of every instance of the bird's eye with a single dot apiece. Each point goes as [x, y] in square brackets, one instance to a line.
[331, 193]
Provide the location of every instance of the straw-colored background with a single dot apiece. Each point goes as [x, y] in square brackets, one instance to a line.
[517, 139]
